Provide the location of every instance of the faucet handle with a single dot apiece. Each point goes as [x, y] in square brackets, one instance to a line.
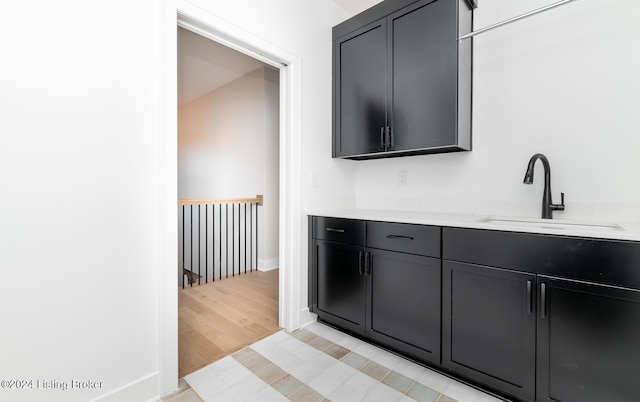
[558, 207]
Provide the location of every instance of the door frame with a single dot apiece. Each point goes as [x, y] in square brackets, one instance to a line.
[181, 13]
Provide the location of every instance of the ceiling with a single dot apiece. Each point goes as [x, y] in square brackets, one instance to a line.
[354, 7]
[205, 65]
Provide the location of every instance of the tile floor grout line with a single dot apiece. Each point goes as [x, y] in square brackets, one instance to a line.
[389, 370]
[273, 382]
[409, 387]
[323, 350]
[440, 394]
[266, 361]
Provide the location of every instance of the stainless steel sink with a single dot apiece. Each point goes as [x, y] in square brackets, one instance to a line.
[555, 224]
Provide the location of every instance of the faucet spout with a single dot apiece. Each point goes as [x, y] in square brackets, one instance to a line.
[547, 204]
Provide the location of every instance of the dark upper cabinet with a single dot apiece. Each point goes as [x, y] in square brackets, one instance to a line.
[489, 327]
[588, 342]
[360, 104]
[402, 80]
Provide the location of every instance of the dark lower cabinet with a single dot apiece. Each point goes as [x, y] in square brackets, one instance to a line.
[588, 342]
[587, 334]
[404, 300]
[340, 283]
[518, 314]
[392, 295]
[489, 327]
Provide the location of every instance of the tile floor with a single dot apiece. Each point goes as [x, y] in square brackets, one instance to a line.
[319, 363]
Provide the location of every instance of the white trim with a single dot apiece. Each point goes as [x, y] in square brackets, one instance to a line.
[268, 265]
[307, 317]
[202, 29]
[167, 197]
[198, 20]
[143, 389]
[290, 193]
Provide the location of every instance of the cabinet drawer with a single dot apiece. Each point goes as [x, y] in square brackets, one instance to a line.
[405, 238]
[610, 262]
[341, 230]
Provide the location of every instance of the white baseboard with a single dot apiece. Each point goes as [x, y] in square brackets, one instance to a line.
[144, 389]
[268, 265]
[307, 317]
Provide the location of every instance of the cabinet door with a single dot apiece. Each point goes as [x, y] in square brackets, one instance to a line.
[340, 284]
[404, 307]
[489, 327]
[588, 342]
[424, 75]
[360, 92]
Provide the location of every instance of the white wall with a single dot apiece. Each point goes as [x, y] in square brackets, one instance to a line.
[78, 212]
[563, 83]
[82, 291]
[270, 244]
[228, 148]
[302, 28]
[80, 179]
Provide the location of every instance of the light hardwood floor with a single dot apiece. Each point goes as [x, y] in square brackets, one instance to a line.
[221, 317]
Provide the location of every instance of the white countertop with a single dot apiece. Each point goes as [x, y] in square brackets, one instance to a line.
[581, 228]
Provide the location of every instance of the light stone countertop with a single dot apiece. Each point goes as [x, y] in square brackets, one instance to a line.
[579, 228]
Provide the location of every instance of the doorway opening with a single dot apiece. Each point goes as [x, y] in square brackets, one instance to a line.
[228, 243]
[291, 222]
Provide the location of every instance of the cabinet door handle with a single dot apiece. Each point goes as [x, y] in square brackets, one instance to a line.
[367, 263]
[529, 294]
[390, 137]
[543, 301]
[335, 230]
[383, 143]
[399, 237]
[360, 263]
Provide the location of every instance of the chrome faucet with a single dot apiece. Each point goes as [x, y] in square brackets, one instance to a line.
[547, 204]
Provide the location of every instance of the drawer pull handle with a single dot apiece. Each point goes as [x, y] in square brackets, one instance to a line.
[399, 237]
[335, 230]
